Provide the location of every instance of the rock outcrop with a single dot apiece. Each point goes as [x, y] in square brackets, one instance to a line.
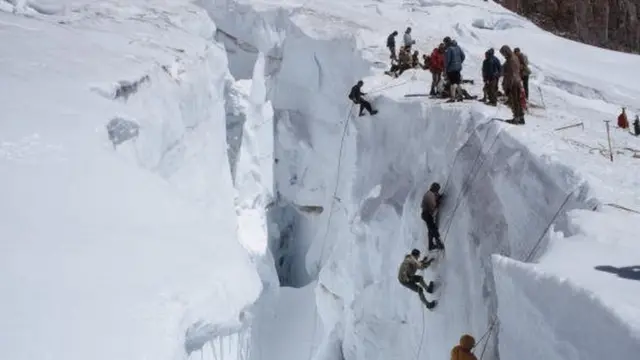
[612, 24]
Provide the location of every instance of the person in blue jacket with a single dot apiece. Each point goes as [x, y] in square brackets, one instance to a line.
[491, 71]
[453, 59]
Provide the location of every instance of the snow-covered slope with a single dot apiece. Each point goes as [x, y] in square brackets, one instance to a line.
[109, 253]
[324, 200]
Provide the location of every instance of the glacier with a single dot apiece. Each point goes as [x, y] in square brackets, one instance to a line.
[255, 216]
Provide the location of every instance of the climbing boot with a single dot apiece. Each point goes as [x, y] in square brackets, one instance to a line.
[430, 287]
[431, 304]
[374, 112]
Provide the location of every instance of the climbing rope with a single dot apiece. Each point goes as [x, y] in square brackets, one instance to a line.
[337, 182]
[470, 179]
[488, 335]
[535, 247]
[421, 335]
[455, 159]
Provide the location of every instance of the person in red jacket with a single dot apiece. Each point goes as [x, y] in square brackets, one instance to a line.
[436, 65]
[623, 122]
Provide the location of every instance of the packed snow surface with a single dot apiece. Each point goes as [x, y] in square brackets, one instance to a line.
[240, 166]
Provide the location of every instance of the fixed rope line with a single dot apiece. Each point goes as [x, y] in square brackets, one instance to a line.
[494, 322]
[335, 190]
[421, 335]
[472, 176]
[535, 247]
[455, 159]
[490, 331]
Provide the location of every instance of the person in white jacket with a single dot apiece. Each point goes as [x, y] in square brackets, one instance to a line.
[408, 40]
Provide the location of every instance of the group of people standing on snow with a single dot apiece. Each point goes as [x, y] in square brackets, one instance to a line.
[515, 80]
[446, 63]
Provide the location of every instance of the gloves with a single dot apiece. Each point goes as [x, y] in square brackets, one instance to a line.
[426, 262]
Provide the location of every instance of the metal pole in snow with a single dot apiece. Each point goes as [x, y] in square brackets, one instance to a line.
[570, 126]
[609, 140]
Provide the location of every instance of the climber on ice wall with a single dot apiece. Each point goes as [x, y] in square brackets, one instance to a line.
[356, 96]
[408, 278]
[430, 204]
[463, 350]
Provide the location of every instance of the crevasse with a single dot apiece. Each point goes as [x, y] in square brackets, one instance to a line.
[369, 175]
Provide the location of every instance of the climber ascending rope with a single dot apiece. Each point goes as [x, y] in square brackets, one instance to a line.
[407, 276]
[462, 351]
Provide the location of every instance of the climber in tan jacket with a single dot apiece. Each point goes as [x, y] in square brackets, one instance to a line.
[512, 83]
[463, 350]
[408, 278]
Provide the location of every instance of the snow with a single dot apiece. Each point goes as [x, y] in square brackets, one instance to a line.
[114, 253]
[194, 239]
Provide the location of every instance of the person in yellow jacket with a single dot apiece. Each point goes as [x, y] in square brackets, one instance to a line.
[463, 350]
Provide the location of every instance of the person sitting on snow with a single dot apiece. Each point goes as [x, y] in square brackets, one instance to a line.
[430, 204]
[463, 350]
[356, 96]
[415, 59]
[408, 278]
[403, 64]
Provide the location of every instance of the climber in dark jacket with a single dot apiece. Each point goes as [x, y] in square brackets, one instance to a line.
[430, 205]
[491, 70]
[356, 96]
[391, 44]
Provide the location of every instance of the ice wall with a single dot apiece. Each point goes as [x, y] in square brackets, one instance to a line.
[539, 308]
[369, 174]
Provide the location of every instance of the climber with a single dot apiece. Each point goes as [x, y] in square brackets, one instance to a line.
[356, 96]
[491, 70]
[463, 350]
[408, 278]
[453, 59]
[436, 65]
[391, 44]
[623, 122]
[512, 84]
[636, 126]
[415, 59]
[407, 39]
[525, 71]
[430, 204]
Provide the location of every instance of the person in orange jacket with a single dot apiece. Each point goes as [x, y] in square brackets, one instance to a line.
[463, 350]
[623, 122]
